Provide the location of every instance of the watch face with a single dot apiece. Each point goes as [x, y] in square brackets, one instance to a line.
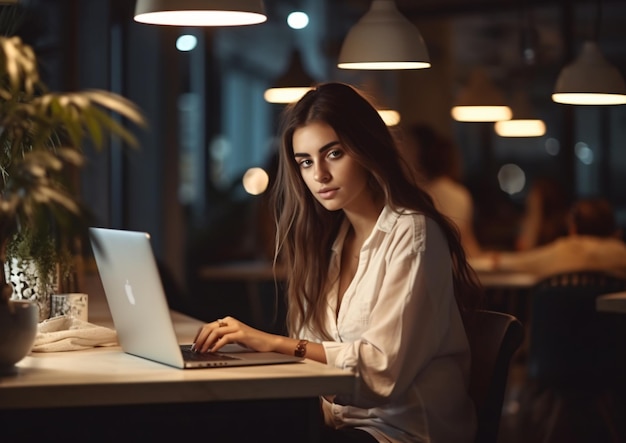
[301, 348]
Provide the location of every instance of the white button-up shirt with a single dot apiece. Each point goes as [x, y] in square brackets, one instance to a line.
[399, 329]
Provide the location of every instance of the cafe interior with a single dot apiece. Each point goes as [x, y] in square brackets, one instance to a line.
[197, 182]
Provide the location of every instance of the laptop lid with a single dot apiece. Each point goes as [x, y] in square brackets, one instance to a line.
[138, 304]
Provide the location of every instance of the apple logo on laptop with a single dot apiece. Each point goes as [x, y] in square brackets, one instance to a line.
[129, 292]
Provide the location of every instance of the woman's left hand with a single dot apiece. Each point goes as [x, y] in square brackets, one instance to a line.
[212, 336]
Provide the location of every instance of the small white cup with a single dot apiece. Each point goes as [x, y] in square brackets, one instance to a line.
[74, 305]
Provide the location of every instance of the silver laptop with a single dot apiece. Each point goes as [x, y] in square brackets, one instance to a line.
[139, 308]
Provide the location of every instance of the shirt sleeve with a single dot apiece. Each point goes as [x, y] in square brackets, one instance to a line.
[537, 260]
[408, 321]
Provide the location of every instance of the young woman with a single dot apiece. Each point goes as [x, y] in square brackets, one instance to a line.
[377, 280]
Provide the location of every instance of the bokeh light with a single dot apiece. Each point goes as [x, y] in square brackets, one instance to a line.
[511, 178]
[255, 181]
[298, 20]
[186, 42]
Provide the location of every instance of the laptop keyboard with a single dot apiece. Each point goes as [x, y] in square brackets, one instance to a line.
[190, 355]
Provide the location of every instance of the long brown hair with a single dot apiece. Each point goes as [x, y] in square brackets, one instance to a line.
[306, 230]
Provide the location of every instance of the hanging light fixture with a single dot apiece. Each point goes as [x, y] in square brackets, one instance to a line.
[383, 39]
[521, 127]
[382, 101]
[293, 84]
[200, 12]
[480, 101]
[524, 123]
[590, 79]
[391, 117]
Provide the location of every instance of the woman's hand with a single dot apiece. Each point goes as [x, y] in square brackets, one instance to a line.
[212, 336]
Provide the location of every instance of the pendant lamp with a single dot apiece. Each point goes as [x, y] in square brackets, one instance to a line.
[524, 122]
[383, 39]
[200, 12]
[292, 85]
[480, 101]
[521, 127]
[590, 80]
[391, 117]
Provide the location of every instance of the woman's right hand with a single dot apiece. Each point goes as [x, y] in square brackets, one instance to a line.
[212, 336]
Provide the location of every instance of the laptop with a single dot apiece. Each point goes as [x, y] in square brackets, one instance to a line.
[141, 315]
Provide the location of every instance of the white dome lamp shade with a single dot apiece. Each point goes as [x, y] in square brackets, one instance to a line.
[293, 84]
[524, 122]
[383, 39]
[480, 101]
[200, 12]
[391, 117]
[590, 80]
[521, 127]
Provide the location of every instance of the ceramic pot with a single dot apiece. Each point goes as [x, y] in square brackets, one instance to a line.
[18, 328]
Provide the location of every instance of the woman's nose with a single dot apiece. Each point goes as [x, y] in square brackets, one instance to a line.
[321, 175]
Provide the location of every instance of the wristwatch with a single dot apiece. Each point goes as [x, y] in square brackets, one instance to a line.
[300, 350]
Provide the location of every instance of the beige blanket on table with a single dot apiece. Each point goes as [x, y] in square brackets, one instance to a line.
[65, 333]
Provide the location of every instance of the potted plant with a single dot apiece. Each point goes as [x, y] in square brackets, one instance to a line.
[41, 139]
[31, 189]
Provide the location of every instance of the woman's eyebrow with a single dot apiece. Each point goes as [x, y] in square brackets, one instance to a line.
[326, 147]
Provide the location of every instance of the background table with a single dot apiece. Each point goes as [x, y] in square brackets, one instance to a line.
[504, 291]
[615, 302]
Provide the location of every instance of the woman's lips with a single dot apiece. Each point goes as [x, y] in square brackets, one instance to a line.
[327, 194]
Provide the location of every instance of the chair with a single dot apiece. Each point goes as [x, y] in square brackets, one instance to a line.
[576, 355]
[493, 337]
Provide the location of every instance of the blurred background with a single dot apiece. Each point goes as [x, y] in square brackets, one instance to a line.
[202, 91]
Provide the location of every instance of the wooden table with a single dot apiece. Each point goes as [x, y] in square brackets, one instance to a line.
[108, 376]
[614, 302]
[93, 394]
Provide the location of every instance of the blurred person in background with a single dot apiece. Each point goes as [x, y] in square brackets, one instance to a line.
[434, 162]
[544, 218]
[594, 243]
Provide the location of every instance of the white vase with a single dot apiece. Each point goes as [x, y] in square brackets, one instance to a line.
[23, 276]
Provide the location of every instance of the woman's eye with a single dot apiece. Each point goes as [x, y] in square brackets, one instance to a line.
[335, 153]
[305, 163]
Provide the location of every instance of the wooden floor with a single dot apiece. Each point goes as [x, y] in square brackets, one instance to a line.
[527, 415]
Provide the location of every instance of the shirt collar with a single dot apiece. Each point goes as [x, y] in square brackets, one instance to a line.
[386, 221]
